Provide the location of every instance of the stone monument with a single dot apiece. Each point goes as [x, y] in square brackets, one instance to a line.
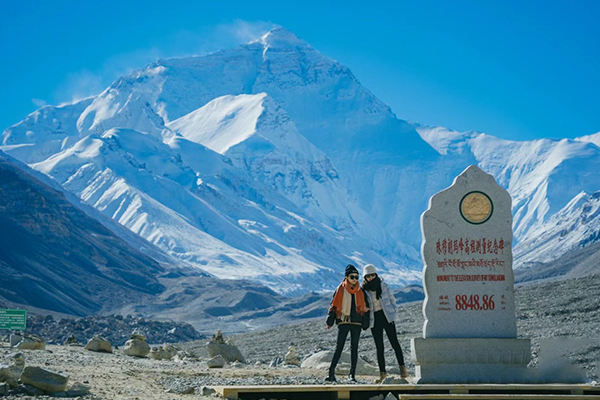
[470, 330]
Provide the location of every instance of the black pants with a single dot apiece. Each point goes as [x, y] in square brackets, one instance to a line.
[343, 330]
[381, 324]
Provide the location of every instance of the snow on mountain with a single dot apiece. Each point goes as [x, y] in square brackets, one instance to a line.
[328, 106]
[222, 123]
[143, 184]
[548, 181]
[595, 138]
[126, 103]
[217, 217]
[259, 137]
[44, 132]
[270, 161]
[575, 226]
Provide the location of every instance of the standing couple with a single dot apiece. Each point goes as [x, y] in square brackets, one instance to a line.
[371, 306]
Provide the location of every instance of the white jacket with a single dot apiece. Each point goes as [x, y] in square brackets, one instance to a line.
[388, 304]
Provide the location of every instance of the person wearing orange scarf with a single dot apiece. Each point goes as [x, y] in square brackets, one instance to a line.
[349, 310]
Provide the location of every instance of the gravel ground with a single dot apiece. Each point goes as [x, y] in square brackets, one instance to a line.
[561, 309]
[564, 309]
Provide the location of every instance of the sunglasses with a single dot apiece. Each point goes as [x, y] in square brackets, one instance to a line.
[368, 276]
[355, 277]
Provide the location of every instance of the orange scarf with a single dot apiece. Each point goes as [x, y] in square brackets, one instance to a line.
[359, 296]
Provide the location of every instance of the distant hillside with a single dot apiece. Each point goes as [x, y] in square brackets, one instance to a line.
[53, 256]
[575, 264]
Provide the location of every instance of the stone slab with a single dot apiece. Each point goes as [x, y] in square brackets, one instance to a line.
[467, 251]
[472, 360]
[471, 351]
[45, 379]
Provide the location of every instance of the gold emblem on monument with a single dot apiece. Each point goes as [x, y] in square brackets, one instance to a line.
[476, 207]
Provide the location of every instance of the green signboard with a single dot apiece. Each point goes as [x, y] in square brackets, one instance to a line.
[13, 319]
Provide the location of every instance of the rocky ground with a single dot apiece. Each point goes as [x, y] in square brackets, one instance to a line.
[562, 309]
[115, 328]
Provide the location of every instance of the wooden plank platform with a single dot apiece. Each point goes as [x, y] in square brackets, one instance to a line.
[413, 392]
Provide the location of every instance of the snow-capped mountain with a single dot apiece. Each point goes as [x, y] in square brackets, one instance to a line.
[270, 161]
[553, 184]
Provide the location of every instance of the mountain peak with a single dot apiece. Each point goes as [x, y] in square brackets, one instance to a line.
[280, 37]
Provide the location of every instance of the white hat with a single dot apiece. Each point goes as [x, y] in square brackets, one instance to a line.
[369, 269]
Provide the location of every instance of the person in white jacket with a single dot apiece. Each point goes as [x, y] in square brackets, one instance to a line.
[383, 317]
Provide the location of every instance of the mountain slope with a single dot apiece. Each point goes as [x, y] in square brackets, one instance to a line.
[53, 256]
[552, 183]
[271, 162]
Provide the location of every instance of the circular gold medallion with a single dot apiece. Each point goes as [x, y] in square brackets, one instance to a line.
[476, 207]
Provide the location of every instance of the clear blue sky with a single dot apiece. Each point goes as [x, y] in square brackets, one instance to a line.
[514, 69]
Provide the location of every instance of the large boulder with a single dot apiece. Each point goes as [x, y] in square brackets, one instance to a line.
[10, 371]
[31, 342]
[291, 357]
[45, 379]
[322, 360]
[99, 344]
[216, 362]
[229, 352]
[227, 349]
[136, 346]
[15, 339]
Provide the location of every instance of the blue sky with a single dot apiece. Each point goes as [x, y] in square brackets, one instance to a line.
[513, 69]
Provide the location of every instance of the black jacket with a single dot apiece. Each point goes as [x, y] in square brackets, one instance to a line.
[355, 317]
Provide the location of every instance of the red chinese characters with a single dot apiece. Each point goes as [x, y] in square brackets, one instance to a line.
[467, 246]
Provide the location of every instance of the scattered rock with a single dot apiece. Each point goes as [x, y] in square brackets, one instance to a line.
[137, 334]
[71, 341]
[14, 339]
[31, 342]
[114, 328]
[77, 389]
[185, 355]
[322, 360]
[4, 388]
[276, 362]
[291, 358]
[11, 371]
[31, 390]
[99, 344]
[216, 362]
[218, 337]
[45, 379]
[165, 352]
[187, 390]
[207, 391]
[218, 346]
[394, 381]
[136, 346]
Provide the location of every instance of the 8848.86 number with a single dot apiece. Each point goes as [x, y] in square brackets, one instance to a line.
[474, 302]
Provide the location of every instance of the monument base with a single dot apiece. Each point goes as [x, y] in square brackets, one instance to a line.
[475, 360]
